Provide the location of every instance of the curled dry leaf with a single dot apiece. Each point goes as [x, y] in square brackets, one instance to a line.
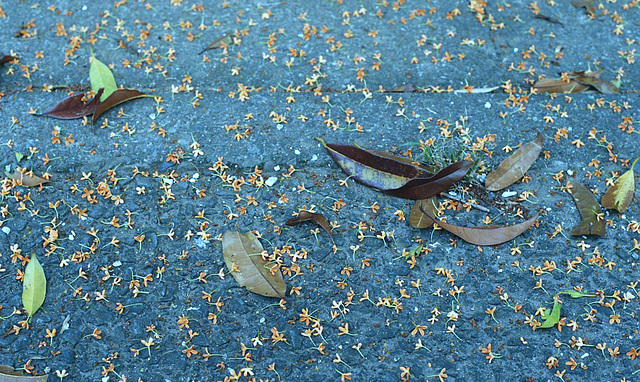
[304, 216]
[101, 78]
[220, 42]
[489, 235]
[117, 97]
[34, 286]
[243, 256]
[619, 196]
[393, 175]
[407, 88]
[427, 186]
[417, 219]
[513, 167]
[7, 59]
[576, 82]
[592, 222]
[73, 107]
[8, 374]
[368, 167]
[26, 178]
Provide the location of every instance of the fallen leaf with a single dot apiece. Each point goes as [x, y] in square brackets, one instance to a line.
[8, 374]
[417, 219]
[513, 167]
[591, 78]
[72, 107]
[576, 294]
[372, 169]
[552, 318]
[587, 4]
[619, 196]
[589, 211]
[489, 235]
[548, 18]
[424, 187]
[34, 286]
[304, 216]
[7, 59]
[25, 179]
[550, 85]
[243, 256]
[117, 97]
[220, 42]
[101, 78]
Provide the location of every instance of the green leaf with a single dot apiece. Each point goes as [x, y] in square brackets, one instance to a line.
[19, 156]
[101, 78]
[576, 294]
[34, 286]
[554, 317]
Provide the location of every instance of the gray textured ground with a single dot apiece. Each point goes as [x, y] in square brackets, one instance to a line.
[293, 97]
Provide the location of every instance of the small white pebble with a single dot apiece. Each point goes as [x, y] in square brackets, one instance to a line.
[168, 181]
[508, 194]
[487, 105]
[117, 263]
[276, 168]
[314, 157]
[296, 151]
[585, 355]
[271, 181]
[279, 126]
[570, 172]
[6, 230]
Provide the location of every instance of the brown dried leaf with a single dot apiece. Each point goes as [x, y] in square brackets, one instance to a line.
[116, 98]
[243, 256]
[304, 216]
[591, 78]
[592, 222]
[407, 88]
[72, 107]
[550, 85]
[417, 219]
[26, 178]
[513, 167]
[489, 235]
[424, 187]
[369, 167]
[8, 374]
[7, 59]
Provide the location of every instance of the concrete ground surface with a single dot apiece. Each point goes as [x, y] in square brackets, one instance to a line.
[128, 229]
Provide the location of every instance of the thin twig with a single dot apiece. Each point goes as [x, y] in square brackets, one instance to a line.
[457, 199]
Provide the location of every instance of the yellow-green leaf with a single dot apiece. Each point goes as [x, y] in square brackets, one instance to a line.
[34, 286]
[101, 78]
[552, 318]
[619, 196]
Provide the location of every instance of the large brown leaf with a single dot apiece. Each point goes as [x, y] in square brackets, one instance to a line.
[591, 78]
[592, 222]
[243, 256]
[116, 98]
[72, 107]
[577, 83]
[417, 219]
[304, 216]
[489, 235]
[424, 187]
[384, 172]
[513, 167]
[220, 42]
